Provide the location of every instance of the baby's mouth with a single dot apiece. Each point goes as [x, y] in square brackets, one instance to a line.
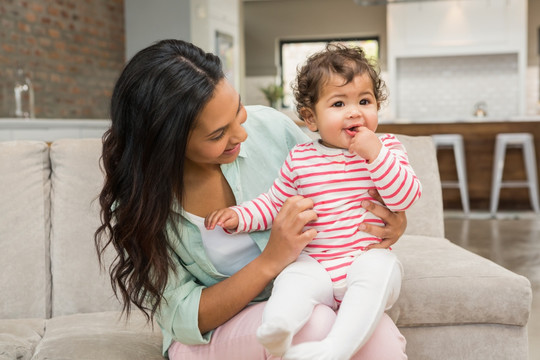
[352, 130]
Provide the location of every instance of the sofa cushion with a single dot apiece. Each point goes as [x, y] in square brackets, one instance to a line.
[19, 337]
[79, 285]
[459, 287]
[468, 341]
[24, 180]
[100, 336]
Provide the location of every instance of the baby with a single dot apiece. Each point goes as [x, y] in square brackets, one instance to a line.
[338, 94]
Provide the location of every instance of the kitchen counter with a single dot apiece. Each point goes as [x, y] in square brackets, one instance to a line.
[447, 120]
[51, 129]
[479, 138]
[443, 120]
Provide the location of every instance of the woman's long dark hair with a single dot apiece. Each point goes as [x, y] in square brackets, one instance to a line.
[155, 103]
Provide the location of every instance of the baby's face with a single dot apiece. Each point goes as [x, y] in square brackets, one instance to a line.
[343, 109]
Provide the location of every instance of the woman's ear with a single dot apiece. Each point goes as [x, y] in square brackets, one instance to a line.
[309, 118]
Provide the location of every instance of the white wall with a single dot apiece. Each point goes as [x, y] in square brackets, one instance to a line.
[149, 21]
[196, 21]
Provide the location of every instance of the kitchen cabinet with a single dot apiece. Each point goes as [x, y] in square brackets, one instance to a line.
[457, 27]
[471, 42]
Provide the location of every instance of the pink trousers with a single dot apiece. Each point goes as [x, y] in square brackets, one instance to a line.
[235, 340]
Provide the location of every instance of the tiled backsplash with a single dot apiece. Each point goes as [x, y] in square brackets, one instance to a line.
[449, 87]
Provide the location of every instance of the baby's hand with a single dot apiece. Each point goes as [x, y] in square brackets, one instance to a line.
[366, 144]
[226, 218]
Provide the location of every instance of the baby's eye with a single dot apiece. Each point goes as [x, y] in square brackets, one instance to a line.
[364, 102]
[338, 104]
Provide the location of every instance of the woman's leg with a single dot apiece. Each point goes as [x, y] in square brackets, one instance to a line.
[236, 338]
[373, 284]
[298, 288]
[386, 343]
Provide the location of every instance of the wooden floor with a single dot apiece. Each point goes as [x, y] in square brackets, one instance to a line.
[513, 241]
[479, 138]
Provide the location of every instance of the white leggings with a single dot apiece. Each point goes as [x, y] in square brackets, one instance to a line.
[373, 285]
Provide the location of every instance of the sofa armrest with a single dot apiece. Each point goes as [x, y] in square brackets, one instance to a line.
[444, 284]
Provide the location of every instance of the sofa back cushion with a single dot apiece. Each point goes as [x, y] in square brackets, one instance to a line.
[425, 217]
[79, 285]
[24, 184]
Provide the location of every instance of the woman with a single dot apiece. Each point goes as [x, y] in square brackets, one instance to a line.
[178, 149]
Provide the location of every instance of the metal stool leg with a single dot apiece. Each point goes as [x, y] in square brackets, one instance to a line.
[459, 155]
[532, 179]
[498, 166]
[455, 141]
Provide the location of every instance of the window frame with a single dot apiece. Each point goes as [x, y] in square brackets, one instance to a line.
[326, 40]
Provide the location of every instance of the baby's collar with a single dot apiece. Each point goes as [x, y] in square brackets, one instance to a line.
[328, 150]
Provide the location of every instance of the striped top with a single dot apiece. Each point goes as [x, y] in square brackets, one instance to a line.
[337, 181]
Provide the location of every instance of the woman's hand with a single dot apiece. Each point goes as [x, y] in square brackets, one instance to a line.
[287, 238]
[395, 222]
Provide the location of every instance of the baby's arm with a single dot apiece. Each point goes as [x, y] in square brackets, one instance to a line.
[259, 213]
[226, 218]
[393, 175]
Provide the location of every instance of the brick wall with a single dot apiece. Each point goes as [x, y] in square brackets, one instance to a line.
[72, 50]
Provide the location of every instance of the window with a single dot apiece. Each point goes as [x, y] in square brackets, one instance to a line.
[293, 54]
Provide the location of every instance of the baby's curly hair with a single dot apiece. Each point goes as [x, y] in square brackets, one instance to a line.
[335, 59]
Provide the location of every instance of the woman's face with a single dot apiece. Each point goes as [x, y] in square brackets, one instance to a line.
[218, 132]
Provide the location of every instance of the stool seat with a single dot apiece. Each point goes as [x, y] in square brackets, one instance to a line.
[502, 142]
[455, 142]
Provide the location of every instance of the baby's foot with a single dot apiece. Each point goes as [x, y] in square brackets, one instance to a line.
[275, 337]
[315, 350]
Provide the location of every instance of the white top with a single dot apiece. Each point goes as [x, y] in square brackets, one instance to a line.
[228, 253]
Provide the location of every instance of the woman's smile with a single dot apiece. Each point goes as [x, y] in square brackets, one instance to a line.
[232, 151]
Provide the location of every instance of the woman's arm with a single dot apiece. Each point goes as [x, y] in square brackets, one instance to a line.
[395, 222]
[222, 301]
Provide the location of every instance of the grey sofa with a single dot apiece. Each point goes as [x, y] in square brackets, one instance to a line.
[55, 303]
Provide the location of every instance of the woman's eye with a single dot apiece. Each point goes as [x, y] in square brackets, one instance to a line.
[216, 138]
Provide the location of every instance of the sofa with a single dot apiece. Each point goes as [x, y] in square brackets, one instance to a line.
[57, 303]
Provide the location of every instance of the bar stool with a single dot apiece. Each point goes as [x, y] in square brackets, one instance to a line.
[526, 142]
[455, 142]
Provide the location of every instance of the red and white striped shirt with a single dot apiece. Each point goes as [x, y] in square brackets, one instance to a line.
[337, 181]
